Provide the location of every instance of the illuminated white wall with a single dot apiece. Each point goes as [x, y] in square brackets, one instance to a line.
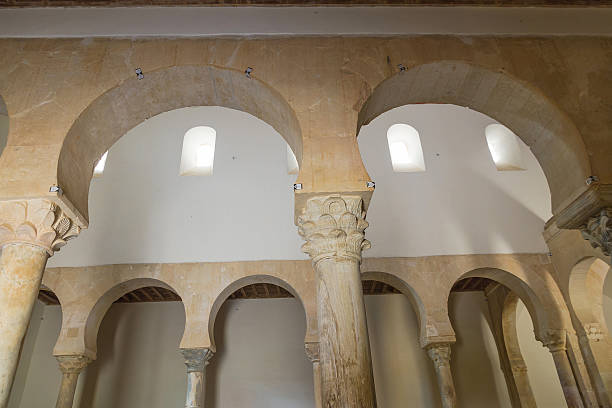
[461, 204]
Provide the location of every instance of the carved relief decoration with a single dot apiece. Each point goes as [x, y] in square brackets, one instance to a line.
[333, 226]
[598, 231]
[38, 222]
[72, 364]
[197, 359]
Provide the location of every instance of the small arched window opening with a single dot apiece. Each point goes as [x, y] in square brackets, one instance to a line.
[99, 169]
[405, 148]
[505, 148]
[292, 164]
[198, 154]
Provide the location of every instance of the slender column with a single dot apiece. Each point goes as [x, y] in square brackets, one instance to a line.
[556, 343]
[29, 233]
[440, 355]
[196, 361]
[312, 351]
[71, 367]
[333, 227]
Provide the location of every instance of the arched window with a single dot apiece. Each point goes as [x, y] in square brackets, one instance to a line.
[292, 164]
[99, 169]
[405, 148]
[505, 148]
[198, 151]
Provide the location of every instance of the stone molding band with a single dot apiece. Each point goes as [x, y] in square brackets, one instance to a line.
[37, 222]
[333, 227]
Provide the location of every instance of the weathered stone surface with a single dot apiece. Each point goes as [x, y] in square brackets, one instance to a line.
[36, 222]
[21, 270]
[558, 83]
[196, 361]
[555, 341]
[333, 227]
[71, 367]
[440, 356]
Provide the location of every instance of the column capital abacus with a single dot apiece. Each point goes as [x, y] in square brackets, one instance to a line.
[196, 359]
[72, 364]
[439, 353]
[555, 340]
[312, 351]
[333, 227]
[37, 222]
[598, 231]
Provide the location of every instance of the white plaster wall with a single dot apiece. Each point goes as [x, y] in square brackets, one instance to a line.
[143, 211]
[261, 363]
[475, 365]
[541, 367]
[461, 204]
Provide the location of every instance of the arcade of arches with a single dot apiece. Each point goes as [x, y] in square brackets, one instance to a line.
[491, 287]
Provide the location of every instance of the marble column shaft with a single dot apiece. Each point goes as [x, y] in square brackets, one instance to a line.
[71, 367]
[440, 355]
[30, 232]
[333, 229]
[21, 271]
[556, 344]
[196, 361]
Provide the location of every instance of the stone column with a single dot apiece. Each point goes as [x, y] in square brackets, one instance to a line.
[333, 227]
[30, 231]
[556, 343]
[312, 351]
[71, 367]
[440, 355]
[196, 361]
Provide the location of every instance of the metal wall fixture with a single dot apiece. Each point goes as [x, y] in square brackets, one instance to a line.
[591, 179]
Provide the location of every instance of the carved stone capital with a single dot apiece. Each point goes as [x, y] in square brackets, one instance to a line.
[439, 354]
[555, 340]
[197, 359]
[37, 222]
[72, 364]
[312, 351]
[598, 231]
[333, 227]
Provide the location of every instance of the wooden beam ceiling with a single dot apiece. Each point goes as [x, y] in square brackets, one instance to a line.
[261, 291]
